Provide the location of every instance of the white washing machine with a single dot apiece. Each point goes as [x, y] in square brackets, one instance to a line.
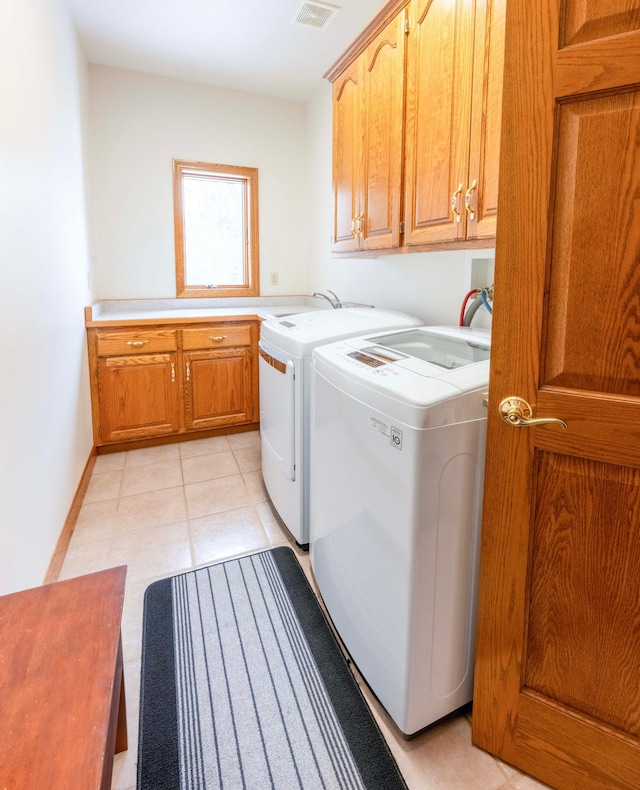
[285, 350]
[398, 441]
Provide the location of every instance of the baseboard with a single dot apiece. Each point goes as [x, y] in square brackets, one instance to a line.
[62, 545]
[176, 438]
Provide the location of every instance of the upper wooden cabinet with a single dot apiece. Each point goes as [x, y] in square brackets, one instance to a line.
[486, 120]
[383, 71]
[438, 120]
[368, 102]
[454, 97]
[347, 155]
[419, 94]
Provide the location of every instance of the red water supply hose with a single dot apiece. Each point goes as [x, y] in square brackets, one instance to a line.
[465, 301]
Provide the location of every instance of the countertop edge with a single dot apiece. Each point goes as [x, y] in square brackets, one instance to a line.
[157, 319]
[152, 312]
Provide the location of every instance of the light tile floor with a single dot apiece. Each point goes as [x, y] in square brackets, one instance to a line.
[167, 509]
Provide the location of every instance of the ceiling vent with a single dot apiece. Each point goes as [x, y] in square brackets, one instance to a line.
[318, 15]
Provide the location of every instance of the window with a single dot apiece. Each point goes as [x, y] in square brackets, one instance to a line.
[216, 229]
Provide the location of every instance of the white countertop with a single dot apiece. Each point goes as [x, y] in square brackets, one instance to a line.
[136, 310]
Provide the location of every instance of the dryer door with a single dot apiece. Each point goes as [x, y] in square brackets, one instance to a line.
[277, 407]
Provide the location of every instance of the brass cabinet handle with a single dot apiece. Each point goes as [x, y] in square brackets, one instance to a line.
[517, 412]
[217, 338]
[356, 226]
[454, 203]
[173, 372]
[188, 371]
[137, 343]
[467, 199]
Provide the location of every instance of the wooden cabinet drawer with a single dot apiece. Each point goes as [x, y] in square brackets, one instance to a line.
[136, 342]
[216, 337]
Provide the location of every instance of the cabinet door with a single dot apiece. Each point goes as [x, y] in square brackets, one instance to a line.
[439, 79]
[347, 157]
[486, 114]
[383, 112]
[138, 396]
[218, 388]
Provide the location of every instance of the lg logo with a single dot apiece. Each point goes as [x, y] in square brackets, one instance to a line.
[396, 438]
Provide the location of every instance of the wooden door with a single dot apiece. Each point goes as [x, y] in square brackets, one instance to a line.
[557, 689]
[138, 396]
[481, 197]
[383, 111]
[347, 157]
[218, 388]
[439, 79]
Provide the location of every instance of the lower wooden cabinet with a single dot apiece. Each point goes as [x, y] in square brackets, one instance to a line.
[138, 397]
[217, 389]
[165, 381]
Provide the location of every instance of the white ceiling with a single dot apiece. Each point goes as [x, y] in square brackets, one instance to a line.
[249, 45]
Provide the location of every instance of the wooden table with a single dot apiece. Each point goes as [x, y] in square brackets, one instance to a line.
[62, 702]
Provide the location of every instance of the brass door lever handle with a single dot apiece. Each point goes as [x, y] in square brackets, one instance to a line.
[517, 412]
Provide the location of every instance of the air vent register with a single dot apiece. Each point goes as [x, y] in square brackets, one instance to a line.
[316, 15]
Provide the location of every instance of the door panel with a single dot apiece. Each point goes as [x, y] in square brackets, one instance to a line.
[590, 20]
[584, 589]
[594, 291]
[557, 690]
[138, 396]
[383, 75]
[486, 120]
[217, 388]
[347, 156]
[438, 107]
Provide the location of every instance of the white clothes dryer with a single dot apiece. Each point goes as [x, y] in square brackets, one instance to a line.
[398, 441]
[286, 345]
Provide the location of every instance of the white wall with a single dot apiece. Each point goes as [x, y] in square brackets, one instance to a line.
[139, 124]
[45, 423]
[428, 285]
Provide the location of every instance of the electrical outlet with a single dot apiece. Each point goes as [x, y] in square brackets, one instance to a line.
[274, 278]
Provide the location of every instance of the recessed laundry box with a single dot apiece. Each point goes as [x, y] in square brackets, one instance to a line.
[398, 443]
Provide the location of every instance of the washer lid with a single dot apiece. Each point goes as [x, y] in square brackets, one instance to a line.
[299, 334]
[448, 348]
[442, 381]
